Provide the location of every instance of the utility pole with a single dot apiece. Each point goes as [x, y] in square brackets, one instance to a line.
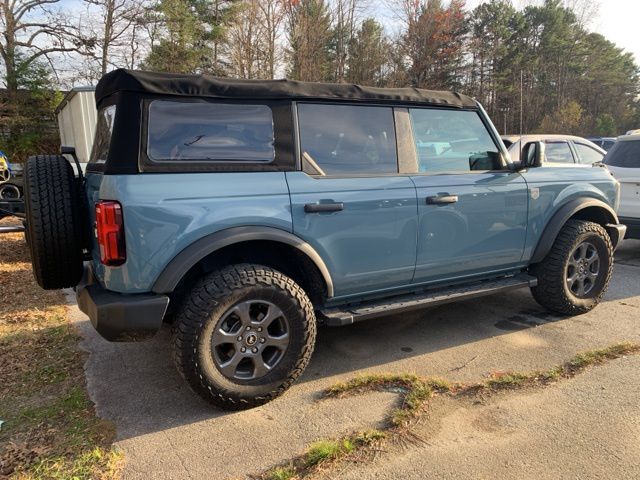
[521, 98]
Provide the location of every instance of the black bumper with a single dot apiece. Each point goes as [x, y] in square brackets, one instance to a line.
[120, 317]
[633, 226]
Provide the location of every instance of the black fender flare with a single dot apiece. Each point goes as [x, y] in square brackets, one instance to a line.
[178, 267]
[563, 214]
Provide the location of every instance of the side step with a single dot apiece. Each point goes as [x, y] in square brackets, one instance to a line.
[346, 315]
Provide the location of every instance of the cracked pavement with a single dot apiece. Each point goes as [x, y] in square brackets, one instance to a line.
[587, 427]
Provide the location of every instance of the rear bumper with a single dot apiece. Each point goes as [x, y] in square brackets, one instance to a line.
[633, 226]
[120, 317]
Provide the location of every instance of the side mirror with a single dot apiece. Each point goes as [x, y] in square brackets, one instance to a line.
[533, 154]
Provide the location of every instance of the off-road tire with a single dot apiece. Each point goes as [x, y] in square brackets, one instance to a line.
[54, 232]
[205, 306]
[552, 291]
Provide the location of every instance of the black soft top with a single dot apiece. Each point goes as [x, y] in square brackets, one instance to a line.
[140, 82]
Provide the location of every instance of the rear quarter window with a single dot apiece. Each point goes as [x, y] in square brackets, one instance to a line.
[624, 154]
[104, 131]
[210, 132]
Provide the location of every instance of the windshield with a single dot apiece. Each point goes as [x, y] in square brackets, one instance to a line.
[104, 130]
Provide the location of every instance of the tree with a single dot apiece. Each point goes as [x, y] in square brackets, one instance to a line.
[32, 31]
[309, 32]
[433, 42]
[345, 15]
[191, 36]
[27, 120]
[368, 52]
[116, 33]
[253, 45]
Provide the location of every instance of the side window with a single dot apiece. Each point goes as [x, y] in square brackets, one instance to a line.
[104, 130]
[203, 131]
[558, 152]
[587, 154]
[452, 141]
[347, 139]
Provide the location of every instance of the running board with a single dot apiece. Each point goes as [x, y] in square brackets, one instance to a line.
[346, 315]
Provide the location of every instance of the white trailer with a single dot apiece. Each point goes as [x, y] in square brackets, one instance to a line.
[77, 121]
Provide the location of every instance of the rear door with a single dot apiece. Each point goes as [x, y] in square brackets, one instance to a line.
[472, 210]
[587, 155]
[349, 201]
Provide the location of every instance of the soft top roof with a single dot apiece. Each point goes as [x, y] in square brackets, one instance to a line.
[135, 81]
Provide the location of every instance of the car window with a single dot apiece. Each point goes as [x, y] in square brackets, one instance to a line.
[558, 152]
[587, 154]
[200, 131]
[607, 144]
[624, 154]
[347, 139]
[452, 141]
[104, 130]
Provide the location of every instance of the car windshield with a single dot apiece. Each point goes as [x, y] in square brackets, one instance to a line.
[625, 154]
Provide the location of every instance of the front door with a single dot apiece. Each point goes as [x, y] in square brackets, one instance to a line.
[472, 210]
[349, 202]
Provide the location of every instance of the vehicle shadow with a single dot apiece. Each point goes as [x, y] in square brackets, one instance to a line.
[136, 385]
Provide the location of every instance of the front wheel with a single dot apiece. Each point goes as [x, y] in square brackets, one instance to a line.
[575, 274]
[244, 335]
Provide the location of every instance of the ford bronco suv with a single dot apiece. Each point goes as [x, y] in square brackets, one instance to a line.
[247, 212]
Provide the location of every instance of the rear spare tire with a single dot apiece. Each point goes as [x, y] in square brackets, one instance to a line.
[53, 211]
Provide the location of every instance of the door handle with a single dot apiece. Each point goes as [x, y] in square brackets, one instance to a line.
[323, 207]
[442, 199]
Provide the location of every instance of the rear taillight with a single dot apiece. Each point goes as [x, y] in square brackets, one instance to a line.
[110, 233]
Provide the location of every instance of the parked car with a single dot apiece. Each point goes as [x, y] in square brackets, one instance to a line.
[634, 132]
[245, 212]
[560, 150]
[624, 162]
[606, 143]
[11, 186]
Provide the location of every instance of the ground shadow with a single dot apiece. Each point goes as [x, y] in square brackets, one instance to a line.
[137, 386]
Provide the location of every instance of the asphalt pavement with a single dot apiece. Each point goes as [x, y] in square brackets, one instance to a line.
[586, 427]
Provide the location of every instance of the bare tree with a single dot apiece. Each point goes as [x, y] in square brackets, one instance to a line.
[32, 30]
[253, 39]
[346, 15]
[117, 31]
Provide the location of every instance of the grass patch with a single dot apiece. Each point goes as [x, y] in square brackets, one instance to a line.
[50, 429]
[415, 392]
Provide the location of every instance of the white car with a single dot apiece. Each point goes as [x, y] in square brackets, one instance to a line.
[623, 160]
[560, 151]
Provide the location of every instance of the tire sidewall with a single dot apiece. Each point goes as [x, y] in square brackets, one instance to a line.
[605, 265]
[210, 300]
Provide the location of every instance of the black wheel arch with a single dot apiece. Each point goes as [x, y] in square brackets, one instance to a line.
[182, 264]
[591, 209]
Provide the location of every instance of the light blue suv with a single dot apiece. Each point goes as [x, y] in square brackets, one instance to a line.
[247, 212]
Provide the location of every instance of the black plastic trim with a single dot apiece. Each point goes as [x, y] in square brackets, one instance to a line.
[190, 256]
[561, 216]
[118, 316]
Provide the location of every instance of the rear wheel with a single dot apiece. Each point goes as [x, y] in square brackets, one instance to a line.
[244, 335]
[53, 229]
[575, 274]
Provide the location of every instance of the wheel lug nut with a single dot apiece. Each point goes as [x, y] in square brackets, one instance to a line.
[239, 339]
[254, 350]
[248, 328]
[262, 340]
[259, 329]
[243, 349]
